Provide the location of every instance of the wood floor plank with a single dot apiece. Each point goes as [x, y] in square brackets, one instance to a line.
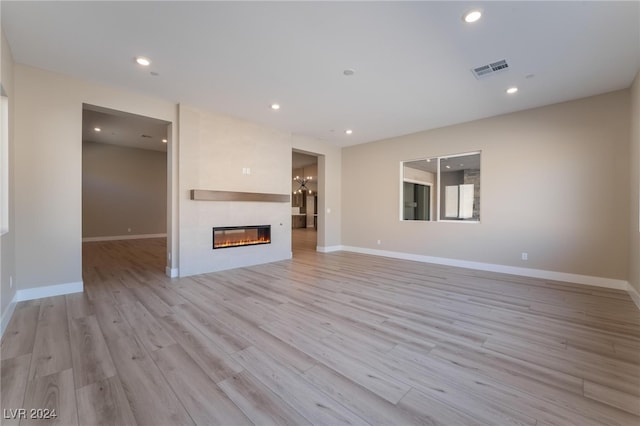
[51, 350]
[266, 341]
[152, 301]
[376, 410]
[315, 406]
[90, 357]
[55, 395]
[203, 400]
[215, 331]
[258, 403]
[19, 337]
[324, 338]
[607, 376]
[152, 401]
[216, 363]
[112, 323]
[616, 398]
[382, 384]
[146, 327]
[104, 403]
[79, 305]
[15, 372]
[430, 411]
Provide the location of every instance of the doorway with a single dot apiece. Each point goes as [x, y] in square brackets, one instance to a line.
[417, 201]
[124, 186]
[304, 202]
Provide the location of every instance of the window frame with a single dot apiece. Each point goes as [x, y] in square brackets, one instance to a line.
[438, 196]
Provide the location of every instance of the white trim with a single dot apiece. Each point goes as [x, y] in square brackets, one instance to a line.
[635, 296]
[123, 237]
[419, 182]
[328, 249]
[513, 270]
[171, 272]
[49, 291]
[8, 313]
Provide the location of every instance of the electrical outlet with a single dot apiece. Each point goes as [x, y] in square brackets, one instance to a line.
[525, 256]
[10, 281]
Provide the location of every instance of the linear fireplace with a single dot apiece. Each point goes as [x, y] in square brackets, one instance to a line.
[238, 236]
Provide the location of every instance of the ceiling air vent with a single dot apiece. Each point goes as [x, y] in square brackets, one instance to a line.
[490, 69]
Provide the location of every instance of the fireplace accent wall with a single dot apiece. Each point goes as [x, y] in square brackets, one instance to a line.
[240, 236]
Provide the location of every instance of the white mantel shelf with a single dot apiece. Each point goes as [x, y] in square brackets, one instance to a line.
[208, 195]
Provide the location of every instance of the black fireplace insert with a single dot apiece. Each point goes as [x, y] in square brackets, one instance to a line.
[239, 236]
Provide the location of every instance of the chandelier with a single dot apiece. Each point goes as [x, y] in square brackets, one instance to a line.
[303, 184]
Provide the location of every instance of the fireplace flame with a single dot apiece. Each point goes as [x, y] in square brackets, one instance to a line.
[245, 242]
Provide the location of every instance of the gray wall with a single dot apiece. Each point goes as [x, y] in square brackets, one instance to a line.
[555, 184]
[7, 241]
[634, 194]
[123, 188]
[48, 170]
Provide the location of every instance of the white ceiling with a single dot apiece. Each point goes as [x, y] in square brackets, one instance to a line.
[300, 160]
[124, 129]
[412, 60]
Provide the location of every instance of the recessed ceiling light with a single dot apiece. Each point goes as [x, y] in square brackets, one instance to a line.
[143, 61]
[164, 141]
[349, 71]
[348, 131]
[472, 16]
[512, 90]
[275, 106]
[97, 129]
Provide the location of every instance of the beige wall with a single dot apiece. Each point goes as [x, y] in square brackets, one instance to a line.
[555, 184]
[124, 191]
[634, 194]
[213, 151]
[48, 158]
[329, 188]
[7, 241]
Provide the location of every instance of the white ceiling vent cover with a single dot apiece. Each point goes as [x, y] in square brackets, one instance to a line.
[485, 71]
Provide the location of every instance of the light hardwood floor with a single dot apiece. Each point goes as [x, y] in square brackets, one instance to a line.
[337, 338]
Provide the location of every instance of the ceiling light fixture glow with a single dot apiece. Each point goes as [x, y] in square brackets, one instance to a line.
[472, 16]
[97, 129]
[164, 141]
[140, 60]
[275, 106]
[348, 131]
[512, 90]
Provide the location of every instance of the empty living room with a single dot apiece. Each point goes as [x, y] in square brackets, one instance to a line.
[320, 212]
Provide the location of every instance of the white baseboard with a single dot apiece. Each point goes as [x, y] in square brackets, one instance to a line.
[171, 272]
[8, 313]
[328, 249]
[491, 267]
[37, 293]
[49, 291]
[635, 296]
[123, 237]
